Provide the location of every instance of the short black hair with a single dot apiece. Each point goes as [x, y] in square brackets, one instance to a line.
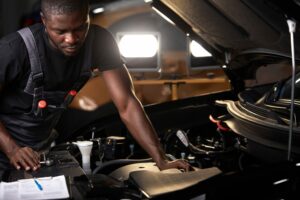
[59, 7]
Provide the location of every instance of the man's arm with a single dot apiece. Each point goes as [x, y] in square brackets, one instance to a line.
[20, 157]
[120, 87]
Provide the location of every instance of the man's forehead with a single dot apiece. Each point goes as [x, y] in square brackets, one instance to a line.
[66, 22]
[80, 15]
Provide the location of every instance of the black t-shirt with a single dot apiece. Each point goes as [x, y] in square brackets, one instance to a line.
[60, 74]
[60, 71]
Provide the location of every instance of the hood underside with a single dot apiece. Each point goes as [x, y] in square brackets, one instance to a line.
[232, 26]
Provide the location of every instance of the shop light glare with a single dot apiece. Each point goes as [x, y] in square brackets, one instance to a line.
[138, 45]
[198, 51]
[98, 10]
[163, 16]
[280, 181]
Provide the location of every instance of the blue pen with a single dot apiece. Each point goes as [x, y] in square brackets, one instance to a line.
[39, 186]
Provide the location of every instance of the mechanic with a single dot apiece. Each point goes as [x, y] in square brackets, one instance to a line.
[37, 83]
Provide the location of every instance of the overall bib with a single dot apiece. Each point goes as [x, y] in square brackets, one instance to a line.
[34, 128]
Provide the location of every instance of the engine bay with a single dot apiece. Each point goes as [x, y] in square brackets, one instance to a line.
[226, 164]
[224, 158]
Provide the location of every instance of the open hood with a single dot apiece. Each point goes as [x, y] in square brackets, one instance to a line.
[228, 28]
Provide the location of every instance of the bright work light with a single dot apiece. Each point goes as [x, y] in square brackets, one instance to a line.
[197, 50]
[138, 45]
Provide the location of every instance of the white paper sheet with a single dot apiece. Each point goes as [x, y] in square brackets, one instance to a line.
[52, 188]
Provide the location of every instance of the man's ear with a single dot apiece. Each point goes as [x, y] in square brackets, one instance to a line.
[42, 17]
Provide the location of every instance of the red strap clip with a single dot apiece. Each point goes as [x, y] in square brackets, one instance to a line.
[72, 92]
[42, 104]
[70, 96]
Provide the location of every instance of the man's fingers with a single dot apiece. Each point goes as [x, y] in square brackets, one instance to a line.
[14, 160]
[26, 158]
[182, 164]
[31, 160]
[179, 164]
[32, 155]
[16, 165]
[24, 164]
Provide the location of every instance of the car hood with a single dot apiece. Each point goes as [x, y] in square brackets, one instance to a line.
[230, 29]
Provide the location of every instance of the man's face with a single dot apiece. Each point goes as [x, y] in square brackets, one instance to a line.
[67, 32]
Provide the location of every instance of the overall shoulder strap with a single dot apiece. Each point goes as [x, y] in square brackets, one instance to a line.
[36, 75]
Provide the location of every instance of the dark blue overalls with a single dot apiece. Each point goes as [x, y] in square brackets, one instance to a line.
[34, 129]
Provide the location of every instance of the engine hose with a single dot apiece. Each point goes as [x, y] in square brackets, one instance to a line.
[219, 123]
[120, 161]
[199, 151]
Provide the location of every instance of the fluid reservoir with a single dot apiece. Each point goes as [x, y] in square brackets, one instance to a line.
[115, 147]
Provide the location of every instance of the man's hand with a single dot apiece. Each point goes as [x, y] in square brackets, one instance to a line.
[20, 157]
[26, 158]
[179, 164]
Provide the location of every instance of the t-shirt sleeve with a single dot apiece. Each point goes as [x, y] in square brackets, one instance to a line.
[106, 54]
[9, 64]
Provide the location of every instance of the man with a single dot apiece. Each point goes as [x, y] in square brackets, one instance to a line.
[34, 90]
